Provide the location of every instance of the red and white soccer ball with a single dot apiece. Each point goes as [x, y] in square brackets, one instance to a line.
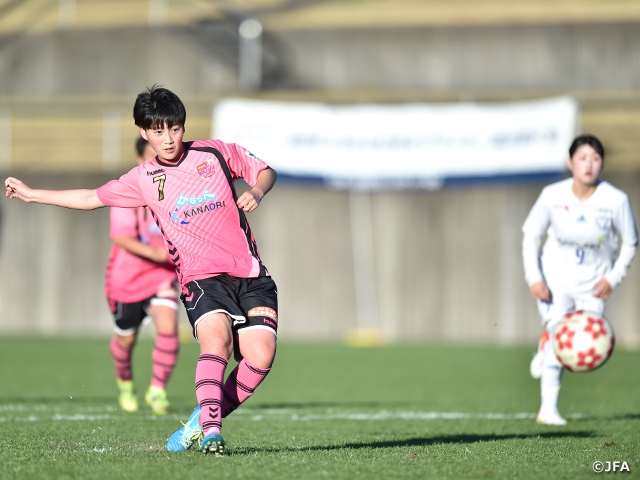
[583, 341]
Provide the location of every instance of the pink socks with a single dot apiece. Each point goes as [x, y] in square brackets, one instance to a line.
[164, 356]
[217, 401]
[240, 385]
[121, 360]
[209, 378]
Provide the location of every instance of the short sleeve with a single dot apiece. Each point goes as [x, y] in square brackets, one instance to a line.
[244, 164]
[124, 192]
[124, 222]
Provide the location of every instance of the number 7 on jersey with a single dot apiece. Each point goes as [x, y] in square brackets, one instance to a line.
[161, 179]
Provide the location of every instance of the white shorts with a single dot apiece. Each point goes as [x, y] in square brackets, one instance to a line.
[568, 298]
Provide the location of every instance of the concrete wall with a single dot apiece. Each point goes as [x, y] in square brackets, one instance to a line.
[514, 57]
[120, 61]
[203, 59]
[446, 264]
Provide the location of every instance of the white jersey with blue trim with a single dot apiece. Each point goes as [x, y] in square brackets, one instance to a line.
[582, 235]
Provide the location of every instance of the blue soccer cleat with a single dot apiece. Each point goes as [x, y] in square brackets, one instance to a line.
[183, 438]
[213, 443]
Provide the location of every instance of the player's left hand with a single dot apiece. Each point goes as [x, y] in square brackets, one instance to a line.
[249, 201]
[602, 289]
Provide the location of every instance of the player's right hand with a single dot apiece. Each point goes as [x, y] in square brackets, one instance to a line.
[17, 189]
[540, 291]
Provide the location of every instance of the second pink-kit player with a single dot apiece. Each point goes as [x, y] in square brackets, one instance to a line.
[140, 285]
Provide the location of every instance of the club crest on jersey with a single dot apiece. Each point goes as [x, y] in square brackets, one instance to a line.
[251, 155]
[603, 222]
[207, 169]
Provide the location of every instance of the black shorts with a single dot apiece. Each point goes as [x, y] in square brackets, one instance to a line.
[250, 302]
[129, 316]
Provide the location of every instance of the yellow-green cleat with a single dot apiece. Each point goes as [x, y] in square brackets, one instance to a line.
[156, 398]
[127, 396]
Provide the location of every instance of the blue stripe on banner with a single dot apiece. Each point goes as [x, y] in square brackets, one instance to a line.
[419, 184]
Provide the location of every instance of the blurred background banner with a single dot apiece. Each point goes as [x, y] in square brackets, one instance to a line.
[404, 145]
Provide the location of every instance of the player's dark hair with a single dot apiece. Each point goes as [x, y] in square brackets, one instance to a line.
[586, 139]
[157, 107]
[141, 144]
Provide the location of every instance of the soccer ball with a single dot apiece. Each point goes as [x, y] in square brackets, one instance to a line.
[583, 341]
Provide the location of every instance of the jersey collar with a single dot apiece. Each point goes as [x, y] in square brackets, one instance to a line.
[186, 146]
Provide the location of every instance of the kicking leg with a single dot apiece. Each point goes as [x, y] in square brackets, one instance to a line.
[258, 349]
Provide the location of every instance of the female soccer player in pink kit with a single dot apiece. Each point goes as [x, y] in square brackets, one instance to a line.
[140, 283]
[230, 298]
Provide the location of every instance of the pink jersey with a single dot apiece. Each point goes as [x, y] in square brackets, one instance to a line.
[131, 278]
[194, 204]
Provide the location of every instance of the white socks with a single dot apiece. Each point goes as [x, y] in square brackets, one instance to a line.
[550, 380]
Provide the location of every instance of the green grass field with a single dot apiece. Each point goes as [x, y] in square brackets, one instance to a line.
[326, 411]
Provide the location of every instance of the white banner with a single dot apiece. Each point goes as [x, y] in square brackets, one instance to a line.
[402, 146]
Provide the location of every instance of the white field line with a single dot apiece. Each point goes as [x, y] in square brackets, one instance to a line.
[268, 414]
[24, 407]
[388, 415]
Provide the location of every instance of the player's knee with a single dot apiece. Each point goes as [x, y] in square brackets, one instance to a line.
[261, 354]
[263, 361]
[167, 326]
[217, 346]
[126, 341]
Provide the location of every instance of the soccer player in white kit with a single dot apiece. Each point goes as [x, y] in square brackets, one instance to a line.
[577, 269]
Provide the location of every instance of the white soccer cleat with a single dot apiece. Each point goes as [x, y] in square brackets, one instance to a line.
[535, 367]
[550, 418]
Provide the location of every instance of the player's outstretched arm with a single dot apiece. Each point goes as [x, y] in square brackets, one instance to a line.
[250, 199]
[75, 199]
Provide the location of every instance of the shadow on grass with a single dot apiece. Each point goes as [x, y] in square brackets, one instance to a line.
[419, 442]
[618, 416]
[627, 416]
